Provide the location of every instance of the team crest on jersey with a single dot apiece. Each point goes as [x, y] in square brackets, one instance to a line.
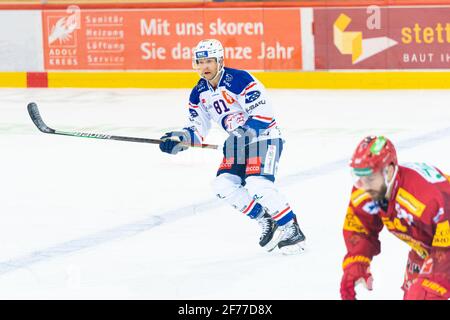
[252, 96]
[233, 121]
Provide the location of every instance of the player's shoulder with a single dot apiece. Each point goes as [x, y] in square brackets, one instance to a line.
[363, 202]
[421, 176]
[419, 187]
[236, 80]
[200, 87]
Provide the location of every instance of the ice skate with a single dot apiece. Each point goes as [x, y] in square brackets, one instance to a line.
[270, 234]
[292, 239]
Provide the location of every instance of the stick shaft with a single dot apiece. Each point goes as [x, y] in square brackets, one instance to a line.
[37, 120]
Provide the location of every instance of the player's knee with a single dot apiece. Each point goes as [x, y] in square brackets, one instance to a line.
[226, 184]
[260, 186]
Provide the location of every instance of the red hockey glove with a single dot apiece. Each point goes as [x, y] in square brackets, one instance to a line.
[354, 274]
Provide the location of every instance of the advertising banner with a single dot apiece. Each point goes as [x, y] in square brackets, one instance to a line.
[162, 39]
[382, 38]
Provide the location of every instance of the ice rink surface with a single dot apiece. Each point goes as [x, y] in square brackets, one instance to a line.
[96, 219]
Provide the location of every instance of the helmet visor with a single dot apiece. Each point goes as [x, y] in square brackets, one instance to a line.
[365, 178]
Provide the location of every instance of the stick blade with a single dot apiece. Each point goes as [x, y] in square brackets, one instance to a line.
[37, 119]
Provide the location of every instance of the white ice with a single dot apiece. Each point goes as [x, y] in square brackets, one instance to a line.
[97, 219]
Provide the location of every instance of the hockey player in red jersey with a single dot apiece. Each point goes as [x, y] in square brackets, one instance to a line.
[413, 202]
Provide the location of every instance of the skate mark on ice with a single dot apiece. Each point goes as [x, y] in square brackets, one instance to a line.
[89, 241]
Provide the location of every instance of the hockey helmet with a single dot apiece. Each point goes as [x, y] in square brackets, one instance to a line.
[374, 153]
[209, 48]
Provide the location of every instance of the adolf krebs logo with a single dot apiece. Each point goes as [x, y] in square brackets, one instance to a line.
[352, 43]
[62, 28]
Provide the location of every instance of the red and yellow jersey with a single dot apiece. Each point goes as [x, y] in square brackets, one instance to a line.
[418, 212]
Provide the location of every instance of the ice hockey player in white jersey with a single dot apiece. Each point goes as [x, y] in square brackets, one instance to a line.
[238, 102]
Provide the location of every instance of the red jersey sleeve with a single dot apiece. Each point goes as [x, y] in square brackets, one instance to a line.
[440, 247]
[361, 228]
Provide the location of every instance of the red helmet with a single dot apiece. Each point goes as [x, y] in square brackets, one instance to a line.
[373, 154]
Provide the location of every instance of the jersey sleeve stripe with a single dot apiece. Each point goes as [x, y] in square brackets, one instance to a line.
[251, 85]
[273, 124]
[263, 119]
[248, 87]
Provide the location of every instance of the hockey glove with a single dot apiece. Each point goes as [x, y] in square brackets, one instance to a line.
[354, 274]
[171, 141]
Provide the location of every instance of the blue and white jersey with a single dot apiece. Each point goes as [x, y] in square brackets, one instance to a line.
[238, 100]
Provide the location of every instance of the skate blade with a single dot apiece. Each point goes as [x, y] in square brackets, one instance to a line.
[273, 243]
[293, 249]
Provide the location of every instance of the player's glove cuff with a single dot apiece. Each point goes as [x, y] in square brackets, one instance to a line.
[356, 271]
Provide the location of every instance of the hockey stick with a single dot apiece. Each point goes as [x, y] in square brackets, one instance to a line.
[37, 120]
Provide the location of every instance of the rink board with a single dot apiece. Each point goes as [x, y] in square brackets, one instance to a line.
[327, 47]
[276, 80]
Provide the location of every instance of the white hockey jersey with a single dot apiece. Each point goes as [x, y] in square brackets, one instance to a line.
[238, 100]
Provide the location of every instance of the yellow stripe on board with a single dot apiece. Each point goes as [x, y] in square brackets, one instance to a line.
[122, 79]
[279, 80]
[355, 80]
[13, 79]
